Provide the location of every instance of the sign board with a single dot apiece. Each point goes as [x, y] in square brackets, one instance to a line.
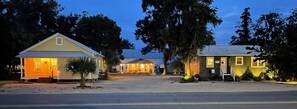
[162, 66]
[217, 61]
[213, 71]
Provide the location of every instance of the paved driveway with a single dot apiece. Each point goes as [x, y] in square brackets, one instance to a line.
[143, 84]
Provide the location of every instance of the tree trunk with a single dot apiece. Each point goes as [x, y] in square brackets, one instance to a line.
[82, 81]
[187, 69]
[165, 66]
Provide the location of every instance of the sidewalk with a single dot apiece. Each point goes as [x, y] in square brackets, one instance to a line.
[146, 84]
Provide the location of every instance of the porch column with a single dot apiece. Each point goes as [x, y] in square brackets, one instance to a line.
[21, 60]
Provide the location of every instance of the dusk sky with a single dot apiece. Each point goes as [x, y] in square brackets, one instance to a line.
[127, 12]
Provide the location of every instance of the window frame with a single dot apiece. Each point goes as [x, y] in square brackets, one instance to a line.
[54, 62]
[236, 60]
[35, 65]
[258, 63]
[207, 66]
[60, 39]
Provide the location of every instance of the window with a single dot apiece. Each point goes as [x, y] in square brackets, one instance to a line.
[238, 60]
[209, 62]
[258, 63]
[142, 66]
[59, 41]
[261, 63]
[37, 64]
[54, 62]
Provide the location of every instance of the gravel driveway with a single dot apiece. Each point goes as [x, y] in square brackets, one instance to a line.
[145, 84]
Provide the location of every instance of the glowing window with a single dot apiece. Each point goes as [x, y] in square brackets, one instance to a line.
[209, 62]
[261, 63]
[59, 41]
[142, 66]
[54, 62]
[258, 63]
[239, 61]
[37, 64]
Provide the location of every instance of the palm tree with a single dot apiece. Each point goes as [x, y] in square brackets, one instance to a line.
[83, 67]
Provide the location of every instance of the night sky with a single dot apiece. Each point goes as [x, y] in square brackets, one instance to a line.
[127, 12]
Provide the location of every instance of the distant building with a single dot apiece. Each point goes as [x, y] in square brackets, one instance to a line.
[136, 62]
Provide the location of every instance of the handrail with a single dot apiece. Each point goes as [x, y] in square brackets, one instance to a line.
[232, 73]
[222, 73]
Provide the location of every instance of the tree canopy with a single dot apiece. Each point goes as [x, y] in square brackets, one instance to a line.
[277, 39]
[26, 22]
[243, 30]
[23, 23]
[177, 25]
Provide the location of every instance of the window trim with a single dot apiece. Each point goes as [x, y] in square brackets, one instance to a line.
[236, 60]
[258, 63]
[207, 62]
[262, 64]
[35, 65]
[54, 61]
[57, 41]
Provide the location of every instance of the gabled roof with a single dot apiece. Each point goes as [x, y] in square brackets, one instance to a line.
[227, 50]
[140, 61]
[69, 39]
[136, 53]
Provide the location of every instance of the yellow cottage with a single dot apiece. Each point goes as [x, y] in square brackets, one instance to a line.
[47, 59]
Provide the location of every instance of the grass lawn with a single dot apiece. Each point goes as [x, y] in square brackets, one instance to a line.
[2, 82]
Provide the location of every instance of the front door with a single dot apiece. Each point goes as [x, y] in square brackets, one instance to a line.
[223, 64]
[46, 67]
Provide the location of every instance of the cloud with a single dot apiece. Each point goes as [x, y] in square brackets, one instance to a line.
[231, 14]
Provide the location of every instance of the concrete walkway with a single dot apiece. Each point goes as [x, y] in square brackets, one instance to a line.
[146, 84]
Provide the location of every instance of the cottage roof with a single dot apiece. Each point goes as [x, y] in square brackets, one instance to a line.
[71, 40]
[140, 61]
[136, 53]
[227, 50]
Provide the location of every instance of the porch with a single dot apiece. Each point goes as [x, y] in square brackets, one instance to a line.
[138, 66]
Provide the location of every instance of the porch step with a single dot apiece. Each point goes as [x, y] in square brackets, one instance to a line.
[44, 80]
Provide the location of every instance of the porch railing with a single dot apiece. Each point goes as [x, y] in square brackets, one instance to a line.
[232, 73]
[223, 74]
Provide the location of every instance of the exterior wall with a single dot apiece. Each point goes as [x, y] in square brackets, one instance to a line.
[50, 45]
[206, 72]
[46, 70]
[67, 75]
[195, 66]
[59, 71]
[240, 69]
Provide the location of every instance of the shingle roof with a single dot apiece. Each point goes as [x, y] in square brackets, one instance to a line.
[227, 50]
[136, 53]
[60, 54]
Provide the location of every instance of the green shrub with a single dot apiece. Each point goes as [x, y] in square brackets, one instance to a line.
[217, 77]
[247, 75]
[183, 80]
[238, 78]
